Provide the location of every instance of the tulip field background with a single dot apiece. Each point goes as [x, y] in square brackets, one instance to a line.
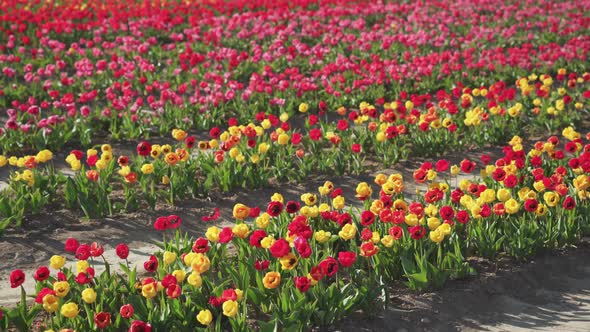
[230, 165]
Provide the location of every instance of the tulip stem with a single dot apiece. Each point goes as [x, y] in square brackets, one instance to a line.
[52, 323]
[107, 267]
[171, 188]
[23, 300]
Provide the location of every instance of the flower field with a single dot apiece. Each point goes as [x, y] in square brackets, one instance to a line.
[116, 109]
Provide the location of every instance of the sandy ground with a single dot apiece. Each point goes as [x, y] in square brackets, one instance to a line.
[550, 293]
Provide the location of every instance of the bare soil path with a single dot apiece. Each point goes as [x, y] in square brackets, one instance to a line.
[549, 293]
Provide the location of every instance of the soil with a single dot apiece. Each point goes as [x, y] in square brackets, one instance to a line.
[549, 293]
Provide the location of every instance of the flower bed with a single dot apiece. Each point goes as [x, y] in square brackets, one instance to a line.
[260, 92]
[298, 264]
[283, 149]
[154, 67]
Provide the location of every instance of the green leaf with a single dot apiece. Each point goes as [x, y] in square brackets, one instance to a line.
[5, 207]
[138, 304]
[272, 326]
[70, 193]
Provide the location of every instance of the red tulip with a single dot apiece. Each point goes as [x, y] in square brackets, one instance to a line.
[102, 320]
[122, 251]
[17, 278]
[42, 273]
[126, 311]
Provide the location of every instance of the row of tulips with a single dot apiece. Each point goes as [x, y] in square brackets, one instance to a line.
[301, 263]
[146, 68]
[285, 148]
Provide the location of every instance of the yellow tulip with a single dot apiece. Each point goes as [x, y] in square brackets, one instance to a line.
[70, 310]
[205, 317]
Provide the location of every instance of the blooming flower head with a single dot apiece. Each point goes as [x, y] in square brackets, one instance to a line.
[303, 107]
[205, 317]
[272, 280]
[89, 295]
[69, 310]
[61, 288]
[241, 211]
[17, 278]
[230, 308]
[50, 303]
[102, 320]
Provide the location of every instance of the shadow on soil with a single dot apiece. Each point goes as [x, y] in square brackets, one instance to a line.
[550, 293]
